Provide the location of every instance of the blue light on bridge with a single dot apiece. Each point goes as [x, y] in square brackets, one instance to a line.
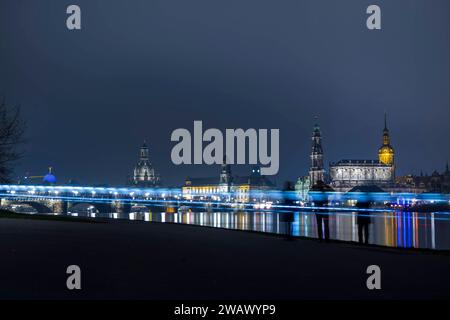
[174, 196]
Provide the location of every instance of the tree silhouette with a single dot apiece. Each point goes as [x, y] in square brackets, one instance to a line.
[12, 130]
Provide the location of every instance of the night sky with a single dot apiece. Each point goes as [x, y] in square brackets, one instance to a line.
[140, 69]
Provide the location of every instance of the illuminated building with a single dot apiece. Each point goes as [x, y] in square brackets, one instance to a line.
[144, 175]
[49, 178]
[302, 188]
[316, 171]
[436, 182]
[227, 187]
[225, 177]
[347, 174]
[386, 152]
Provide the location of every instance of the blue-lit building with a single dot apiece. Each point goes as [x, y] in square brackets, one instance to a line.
[48, 179]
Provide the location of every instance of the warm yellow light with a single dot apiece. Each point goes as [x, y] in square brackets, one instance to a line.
[386, 155]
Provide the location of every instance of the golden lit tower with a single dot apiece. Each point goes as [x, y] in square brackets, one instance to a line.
[386, 152]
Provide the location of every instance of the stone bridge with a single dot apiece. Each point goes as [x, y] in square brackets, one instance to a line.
[61, 199]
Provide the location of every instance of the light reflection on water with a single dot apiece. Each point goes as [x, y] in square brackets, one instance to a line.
[393, 229]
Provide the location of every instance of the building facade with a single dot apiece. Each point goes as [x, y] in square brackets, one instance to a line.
[347, 174]
[144, 174]
[436, 182]
[228, 188]
[302, 187]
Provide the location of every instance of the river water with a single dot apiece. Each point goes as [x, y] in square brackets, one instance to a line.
[392, 229]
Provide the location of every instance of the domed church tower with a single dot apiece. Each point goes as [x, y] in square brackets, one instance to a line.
[386, 152]
[144, 174]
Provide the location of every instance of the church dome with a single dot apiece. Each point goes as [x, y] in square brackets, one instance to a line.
[49, 177]
[144, 174]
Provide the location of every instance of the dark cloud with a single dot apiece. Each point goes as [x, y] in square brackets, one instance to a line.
[139, 69]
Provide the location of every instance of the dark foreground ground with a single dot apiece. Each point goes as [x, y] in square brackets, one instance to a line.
[122, 259]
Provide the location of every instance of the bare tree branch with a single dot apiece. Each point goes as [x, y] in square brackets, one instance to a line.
[12, 130]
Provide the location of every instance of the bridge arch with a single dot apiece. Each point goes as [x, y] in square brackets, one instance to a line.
[38, 206]
[100, 207]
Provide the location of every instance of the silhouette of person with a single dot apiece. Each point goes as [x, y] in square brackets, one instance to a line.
[320, 200]
[363, 220]
[322, 220]
[288, 216]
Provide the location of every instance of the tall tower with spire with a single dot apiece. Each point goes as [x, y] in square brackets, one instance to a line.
[225, 173]
[316, 171]
[386, 152]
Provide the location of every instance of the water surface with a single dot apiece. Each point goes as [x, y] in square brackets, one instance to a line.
[393, 229]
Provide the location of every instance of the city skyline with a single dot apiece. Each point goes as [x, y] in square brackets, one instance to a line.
[225, 158]
[88, 107]
[242, 170]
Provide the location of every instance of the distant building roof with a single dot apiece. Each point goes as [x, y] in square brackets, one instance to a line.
[321, 186]
[369, 188]
[259, 181]
[369, 163]
[194, 182]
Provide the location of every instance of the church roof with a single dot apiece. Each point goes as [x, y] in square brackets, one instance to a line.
[348, 162]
